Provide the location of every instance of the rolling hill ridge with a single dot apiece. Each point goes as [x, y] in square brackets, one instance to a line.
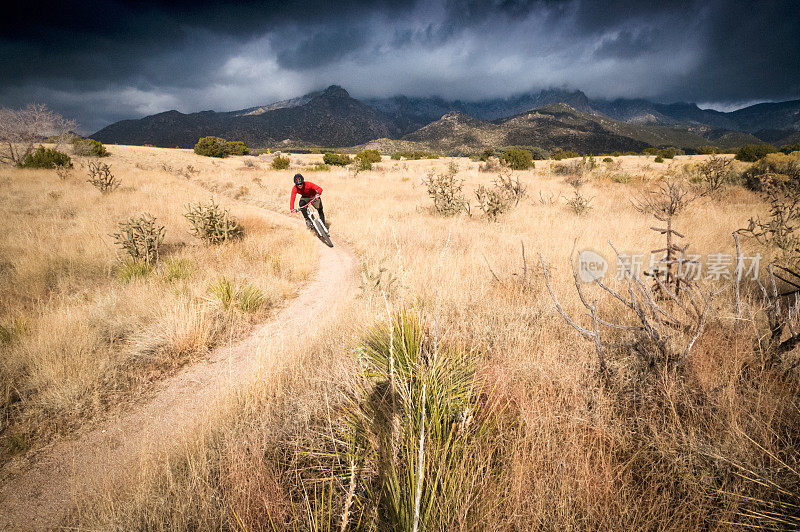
[332, 118]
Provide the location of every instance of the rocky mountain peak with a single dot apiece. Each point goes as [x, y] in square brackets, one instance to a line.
[335, 91]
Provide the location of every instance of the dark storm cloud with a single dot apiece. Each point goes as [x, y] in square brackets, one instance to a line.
[753, 52]
[305, 50]
[627, 44]
[103, 61]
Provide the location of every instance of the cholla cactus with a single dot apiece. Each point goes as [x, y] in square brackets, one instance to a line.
[445, 191]
[492, 201]
[212, 223]
[141, 237]
[511, 186]
[100, 176]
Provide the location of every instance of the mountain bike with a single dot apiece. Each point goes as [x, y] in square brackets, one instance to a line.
[316, 223]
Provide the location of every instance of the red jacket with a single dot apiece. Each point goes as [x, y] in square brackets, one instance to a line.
[309, 190]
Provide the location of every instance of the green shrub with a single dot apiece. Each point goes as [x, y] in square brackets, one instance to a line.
[484, 156]
[217, 147]
[249, 297]
[616, 154]
[88, 147]
[492, 201]
[714, 173]
[707, 150]
[774, 167]
[223, 292]
[322, 167]
[46, 158]
[570, 168]
[17, 442]
[364, 160]
[659, 159]
[372, 156]
[336, 159]
[211, 147]
[236, 147]
[539, 154]
[559, 154]
[608, 160]
[650, 151]
[670, 153]
[280, 163]
[361, 164]
[752, 152]
[518, 159]
[579, 204]
[789, 148]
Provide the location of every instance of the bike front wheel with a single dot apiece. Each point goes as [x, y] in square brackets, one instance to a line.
[322, 231]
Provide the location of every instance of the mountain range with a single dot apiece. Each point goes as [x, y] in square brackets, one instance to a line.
[550, 118]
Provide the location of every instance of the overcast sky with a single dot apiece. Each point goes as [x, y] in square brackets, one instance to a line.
[99, 62]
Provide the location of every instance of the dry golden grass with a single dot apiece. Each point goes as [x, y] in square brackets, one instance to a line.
[83, 333]
[651, 448]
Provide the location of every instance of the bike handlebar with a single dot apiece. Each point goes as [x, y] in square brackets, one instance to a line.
[307, 203]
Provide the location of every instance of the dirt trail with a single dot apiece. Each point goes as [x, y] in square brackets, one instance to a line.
[40, 496]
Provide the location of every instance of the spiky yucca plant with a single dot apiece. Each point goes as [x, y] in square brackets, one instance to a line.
[421, 434]
[227, 294]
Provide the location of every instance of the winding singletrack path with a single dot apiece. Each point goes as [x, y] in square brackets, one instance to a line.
[41, 495]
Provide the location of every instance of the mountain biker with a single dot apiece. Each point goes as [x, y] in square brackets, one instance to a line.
[309, 193]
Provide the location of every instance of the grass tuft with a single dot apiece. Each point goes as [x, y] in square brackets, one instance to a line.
[175, 269]
[244, 296]
[130, 271]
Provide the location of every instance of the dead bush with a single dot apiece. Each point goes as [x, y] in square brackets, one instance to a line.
[714, 173]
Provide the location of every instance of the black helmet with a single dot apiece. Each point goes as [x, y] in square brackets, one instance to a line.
[298, 180]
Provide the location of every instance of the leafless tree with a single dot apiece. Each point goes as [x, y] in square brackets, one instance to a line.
[21, 129]
[664, 203]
